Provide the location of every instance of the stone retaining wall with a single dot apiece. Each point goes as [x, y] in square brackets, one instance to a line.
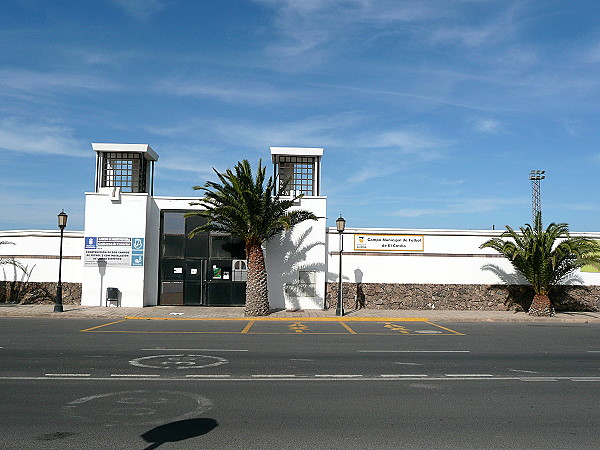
[31, 292]
[458, 297]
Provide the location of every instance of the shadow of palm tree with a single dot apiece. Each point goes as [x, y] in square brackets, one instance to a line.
[294, 261]
[178, 431]
[569, 296]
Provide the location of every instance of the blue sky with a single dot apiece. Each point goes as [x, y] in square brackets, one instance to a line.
[431, 112]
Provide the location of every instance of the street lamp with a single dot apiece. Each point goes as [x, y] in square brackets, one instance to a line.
[62, 224]
[340, 224]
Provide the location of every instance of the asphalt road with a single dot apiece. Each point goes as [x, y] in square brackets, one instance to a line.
[236, 384]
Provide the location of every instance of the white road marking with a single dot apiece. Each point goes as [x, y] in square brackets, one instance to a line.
[593, 351]
[68, 374]
[342, 377]
[408, 364]
[137, 407]
[207, 376]
[182, 361]
[428, 332]
[194, 349]
[403, 375]
[521, 371]
[469, 375]
[338, 376]
[133, 375]
[413, 351]
[542, 378]
[273, 376]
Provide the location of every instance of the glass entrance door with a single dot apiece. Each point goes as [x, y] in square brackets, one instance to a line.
[183, 261]
[194, 286]
[205, 270]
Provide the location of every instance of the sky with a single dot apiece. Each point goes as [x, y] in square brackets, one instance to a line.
[431, 113]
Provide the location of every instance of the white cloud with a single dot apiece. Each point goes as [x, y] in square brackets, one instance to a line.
[405, 140]
[488, 126]
[39, 208]
[412, 95]
[316, 131]
[449, 206]
[50, 139]
[254, 93]
[43, 83]
[141, 10]
[308, 28]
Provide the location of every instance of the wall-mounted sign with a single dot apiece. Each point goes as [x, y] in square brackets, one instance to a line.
[389, 242]
[113, 252]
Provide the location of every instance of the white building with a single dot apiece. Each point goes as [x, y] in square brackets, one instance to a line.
[136, 243]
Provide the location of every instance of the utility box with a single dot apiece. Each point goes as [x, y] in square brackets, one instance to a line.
[112, 296]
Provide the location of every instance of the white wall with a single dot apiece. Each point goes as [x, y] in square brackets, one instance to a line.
[126, 217]
[449, 257]
[301, 249]
[39, 251]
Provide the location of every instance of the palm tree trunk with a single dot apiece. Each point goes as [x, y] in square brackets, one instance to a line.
[257, 294]
[541, 306]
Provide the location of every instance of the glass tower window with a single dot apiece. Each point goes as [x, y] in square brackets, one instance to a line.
[299, 174]
[124, 170]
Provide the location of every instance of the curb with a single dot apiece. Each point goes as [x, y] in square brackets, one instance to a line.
[294, 319]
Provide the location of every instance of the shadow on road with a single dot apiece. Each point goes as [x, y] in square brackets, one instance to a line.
[178, 431]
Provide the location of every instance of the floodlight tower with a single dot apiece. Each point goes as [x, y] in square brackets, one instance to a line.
[536, 201]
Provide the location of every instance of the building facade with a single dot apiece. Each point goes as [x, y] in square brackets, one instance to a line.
[136, 251]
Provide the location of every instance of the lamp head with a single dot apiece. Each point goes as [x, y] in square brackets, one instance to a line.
[62, 220]
[340, 224]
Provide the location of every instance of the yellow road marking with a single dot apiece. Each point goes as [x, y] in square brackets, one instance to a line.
[293, 319]
[298, 327]
[247, 327]
[169, 332]
[396, 327]
[347, 327]
[266, 332]
[447, 329]
[100, 326]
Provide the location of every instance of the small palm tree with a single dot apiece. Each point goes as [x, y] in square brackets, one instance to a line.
[545, 257]
[242, 205]
[9, 260]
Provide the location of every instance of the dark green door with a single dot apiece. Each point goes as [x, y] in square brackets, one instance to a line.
[201, 270]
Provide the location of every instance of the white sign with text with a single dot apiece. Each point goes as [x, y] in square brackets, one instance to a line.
[114, 251]
[389, 242]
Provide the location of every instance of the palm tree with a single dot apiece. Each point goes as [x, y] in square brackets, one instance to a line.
[545, 257]
[242, 205]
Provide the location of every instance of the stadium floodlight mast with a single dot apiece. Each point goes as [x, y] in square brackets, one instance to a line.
[536, 197]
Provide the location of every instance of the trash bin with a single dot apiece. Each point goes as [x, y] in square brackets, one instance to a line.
[112, 296]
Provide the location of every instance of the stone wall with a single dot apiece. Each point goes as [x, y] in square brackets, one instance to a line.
[29, 292]
[458, 297]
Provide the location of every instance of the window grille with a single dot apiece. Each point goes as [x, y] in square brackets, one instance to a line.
[299, 174]
[124, 170]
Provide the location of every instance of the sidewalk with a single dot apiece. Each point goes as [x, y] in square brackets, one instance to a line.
[200, 312]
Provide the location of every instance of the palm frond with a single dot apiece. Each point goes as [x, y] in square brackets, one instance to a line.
[246, 205]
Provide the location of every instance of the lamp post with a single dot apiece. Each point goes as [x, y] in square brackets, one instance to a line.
[62, 224]
[340, 224]
[536, 201]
